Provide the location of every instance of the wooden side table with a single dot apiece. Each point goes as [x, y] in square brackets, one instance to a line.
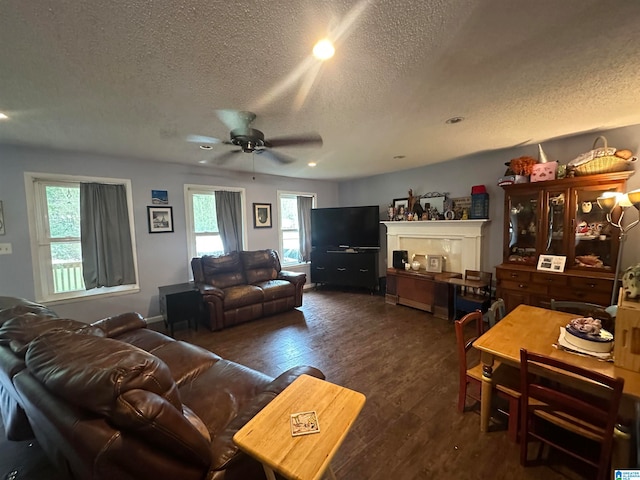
[267, 436]
[181, 302]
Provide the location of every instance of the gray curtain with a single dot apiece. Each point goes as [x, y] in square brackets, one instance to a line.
[304, 227]
[229, 215]
[107, 256]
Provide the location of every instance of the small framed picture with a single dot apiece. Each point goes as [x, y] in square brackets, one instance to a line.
[400, 202]
[434, 263]
[262, 215]
[159, 197]
[160, 219]
[552, 263]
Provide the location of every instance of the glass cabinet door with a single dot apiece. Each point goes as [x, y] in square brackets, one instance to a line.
[523, 227]
[555, 242]
[595, 241]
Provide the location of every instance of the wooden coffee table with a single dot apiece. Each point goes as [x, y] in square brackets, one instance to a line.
[267, 436]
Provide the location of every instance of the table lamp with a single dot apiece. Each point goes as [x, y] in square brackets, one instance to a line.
[608, 202]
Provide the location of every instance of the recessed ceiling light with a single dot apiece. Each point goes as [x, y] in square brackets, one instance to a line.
[202, 161]
[206, 147]
[312, 164]
[323, 50]
[398, 157]
[3, 116]
[454, 120]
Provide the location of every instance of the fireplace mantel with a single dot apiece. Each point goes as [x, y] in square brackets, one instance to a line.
[459, 241]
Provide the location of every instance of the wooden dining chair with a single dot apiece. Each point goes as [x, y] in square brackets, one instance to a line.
[585, 309]
[469, 299]
[496, 312]
[557, 395]
[505, 378]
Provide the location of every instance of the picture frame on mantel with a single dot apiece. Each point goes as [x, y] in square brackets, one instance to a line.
[434, 263]
[262, 215]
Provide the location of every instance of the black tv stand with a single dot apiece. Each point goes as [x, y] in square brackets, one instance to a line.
[348, 267]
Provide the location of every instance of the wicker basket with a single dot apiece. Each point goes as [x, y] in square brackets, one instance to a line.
[600, 160]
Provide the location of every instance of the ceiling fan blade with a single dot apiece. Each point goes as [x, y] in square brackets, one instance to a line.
[235, 119]
[307, 139]
[225, 157]
[276, 156]
[202, 139]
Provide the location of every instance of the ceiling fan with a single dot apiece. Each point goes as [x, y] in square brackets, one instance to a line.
[251, 140]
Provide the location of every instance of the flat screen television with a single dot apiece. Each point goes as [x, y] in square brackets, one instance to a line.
[345, 227]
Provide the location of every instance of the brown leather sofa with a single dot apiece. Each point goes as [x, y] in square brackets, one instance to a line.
[241, 286]
[116, 400]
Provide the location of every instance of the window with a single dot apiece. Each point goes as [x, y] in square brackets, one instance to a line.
[53, 204]
[202, 224]
[289, 226]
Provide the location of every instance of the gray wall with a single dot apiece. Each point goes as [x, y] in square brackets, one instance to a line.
[162, 258]
[459, 175]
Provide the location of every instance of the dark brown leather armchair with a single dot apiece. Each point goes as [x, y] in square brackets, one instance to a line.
[241, 286]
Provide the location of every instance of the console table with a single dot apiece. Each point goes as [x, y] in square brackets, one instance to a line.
[345, 268]
[423, 290]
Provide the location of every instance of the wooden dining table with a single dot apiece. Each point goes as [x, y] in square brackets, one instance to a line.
[537, 330]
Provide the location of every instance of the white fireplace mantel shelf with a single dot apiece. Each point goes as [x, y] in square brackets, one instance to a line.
[459, 241]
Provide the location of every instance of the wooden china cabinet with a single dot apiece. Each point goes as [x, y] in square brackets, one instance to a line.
[562, 218]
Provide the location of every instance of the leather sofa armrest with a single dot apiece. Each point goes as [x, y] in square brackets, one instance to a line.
[205, 290]
[285, 379]
[118, 324]
[297, 278]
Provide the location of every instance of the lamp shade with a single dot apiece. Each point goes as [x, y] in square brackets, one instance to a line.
[634, 198]
[609, 200]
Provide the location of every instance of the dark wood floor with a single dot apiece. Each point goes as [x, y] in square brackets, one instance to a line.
[404, 361]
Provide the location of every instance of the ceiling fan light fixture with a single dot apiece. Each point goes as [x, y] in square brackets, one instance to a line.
[324, 49]
[206, 147]
[454, 120]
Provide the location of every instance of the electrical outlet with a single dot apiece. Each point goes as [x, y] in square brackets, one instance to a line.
[5, 249]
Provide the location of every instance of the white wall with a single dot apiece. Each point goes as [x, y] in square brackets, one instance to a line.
[162, 258]
[459, 175]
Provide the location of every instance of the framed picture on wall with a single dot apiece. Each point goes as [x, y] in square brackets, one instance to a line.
[160, 219]
[262, 215]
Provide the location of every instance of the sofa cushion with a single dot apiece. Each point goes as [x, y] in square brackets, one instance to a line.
[241, 296]
[92, 372]
[12, 307]
[274, 289]
[186, 361]
[223, 271]
[260, 265]
[19, 331]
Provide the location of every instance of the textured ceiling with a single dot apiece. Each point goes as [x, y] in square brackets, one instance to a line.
[134, 78]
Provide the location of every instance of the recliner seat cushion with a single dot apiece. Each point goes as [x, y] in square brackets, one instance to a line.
[274, 289]
[242, 296]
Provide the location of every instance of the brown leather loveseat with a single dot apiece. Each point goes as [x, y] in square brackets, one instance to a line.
[241, 286]
[116, 400]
